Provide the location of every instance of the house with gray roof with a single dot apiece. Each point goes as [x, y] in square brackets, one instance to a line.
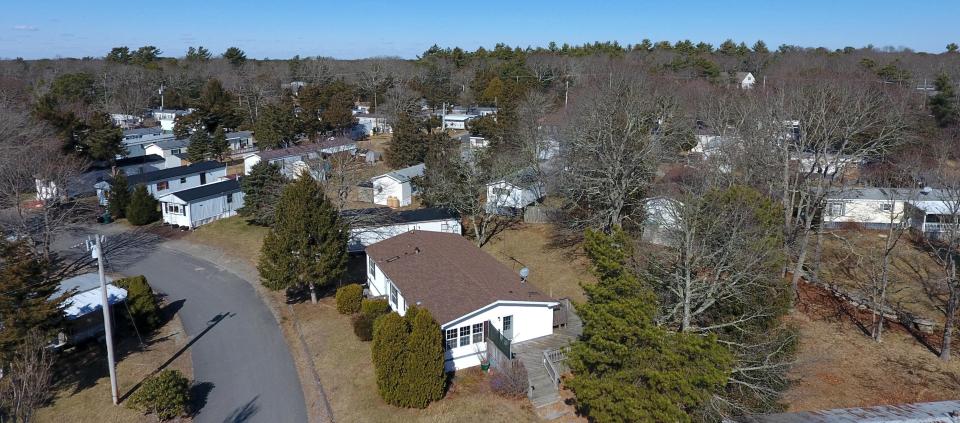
[871, 208]
[396, 189]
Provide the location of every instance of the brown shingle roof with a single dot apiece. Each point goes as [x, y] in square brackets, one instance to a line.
[447, 274]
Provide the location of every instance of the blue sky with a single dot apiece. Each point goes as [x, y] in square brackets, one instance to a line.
[363, 28]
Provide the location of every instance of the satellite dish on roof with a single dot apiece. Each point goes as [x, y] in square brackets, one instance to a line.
[524, 272]
[926, 190]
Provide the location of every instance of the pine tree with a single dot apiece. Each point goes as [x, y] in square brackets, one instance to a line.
[407, 147]
[218, 148]
[307, 244]
[119, 196]
[625, 367]
[277, 127]
[143, 208]
[943, 105]
[423, 375]
[28, 299]
[390, 334]
[199, 148]
[261, 192]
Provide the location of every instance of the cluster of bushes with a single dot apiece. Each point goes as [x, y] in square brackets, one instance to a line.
[370, 310]
[510, 380]
[408, 358]
[165, 395]
[141, 302]
[365, 312]
[140, 208]
[349, 298]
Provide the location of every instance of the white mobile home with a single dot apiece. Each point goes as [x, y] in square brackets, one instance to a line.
[395, 189]
[469, 293]
[292, 160]
[136, 140]
[198, 206]
[457, 121]
[168, 117]
[370, 226]
[512, 194]
[872, 208]
[170, 180]
[935, 213]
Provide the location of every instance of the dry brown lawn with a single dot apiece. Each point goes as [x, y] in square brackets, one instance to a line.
[840, 366]
[555, 270]
[83, 392]
[233, 236]
[345, 368]
[847, 254]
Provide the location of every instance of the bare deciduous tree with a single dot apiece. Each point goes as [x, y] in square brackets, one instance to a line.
[28, 380]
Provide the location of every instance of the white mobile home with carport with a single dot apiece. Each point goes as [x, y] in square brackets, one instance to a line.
[198, 206]
[469, 293]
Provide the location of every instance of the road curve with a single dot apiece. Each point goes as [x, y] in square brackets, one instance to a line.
[239, 353]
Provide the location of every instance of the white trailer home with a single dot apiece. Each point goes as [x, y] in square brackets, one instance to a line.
[136, 140]
[170, 180]
[395, 189]
[198, 206]
[457, 121]
[372, 225]
[469, 293]
[292, 160]
[872, 208]
[510, 195]
[935, 213]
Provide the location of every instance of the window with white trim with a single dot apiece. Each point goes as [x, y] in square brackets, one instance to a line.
[886, 207]
[451, 338]
[477, 333]
[371, 267]
[464, 335]
[835, 208]
[393, 296]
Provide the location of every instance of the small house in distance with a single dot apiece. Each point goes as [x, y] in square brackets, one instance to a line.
[456, 121]
[872, 208]
[170, 180]
[136, 140]
[471, 295]
[292, 160]
[934, 212]
[395, 189]
[201, 205]
[510, 195]
[372, 225]
[745, 80]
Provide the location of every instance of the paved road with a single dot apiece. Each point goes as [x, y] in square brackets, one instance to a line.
[239, 353]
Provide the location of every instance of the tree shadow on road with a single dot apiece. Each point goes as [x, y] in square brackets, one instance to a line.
[244, 412]
[198, 395]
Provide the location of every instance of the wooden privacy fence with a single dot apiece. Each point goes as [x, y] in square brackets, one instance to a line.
[538, 214]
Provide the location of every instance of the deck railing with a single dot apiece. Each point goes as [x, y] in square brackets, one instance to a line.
[501, 342]
[555, 363]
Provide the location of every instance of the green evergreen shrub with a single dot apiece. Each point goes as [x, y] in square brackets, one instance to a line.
[349, 298]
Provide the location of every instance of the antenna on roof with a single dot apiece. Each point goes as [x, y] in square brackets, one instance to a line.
[524, 272]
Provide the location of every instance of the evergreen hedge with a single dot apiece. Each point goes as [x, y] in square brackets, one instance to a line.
[374, 307]
[408, 358]
[141, 302]
[143, 208]
[349, 298]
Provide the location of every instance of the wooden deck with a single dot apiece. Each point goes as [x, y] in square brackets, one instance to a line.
[543, 392]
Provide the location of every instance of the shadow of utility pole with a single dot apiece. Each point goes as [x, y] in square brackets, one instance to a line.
[210, 324]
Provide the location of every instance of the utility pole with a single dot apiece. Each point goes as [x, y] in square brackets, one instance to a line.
[96, 251]
[161, 97]
[566, 93]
